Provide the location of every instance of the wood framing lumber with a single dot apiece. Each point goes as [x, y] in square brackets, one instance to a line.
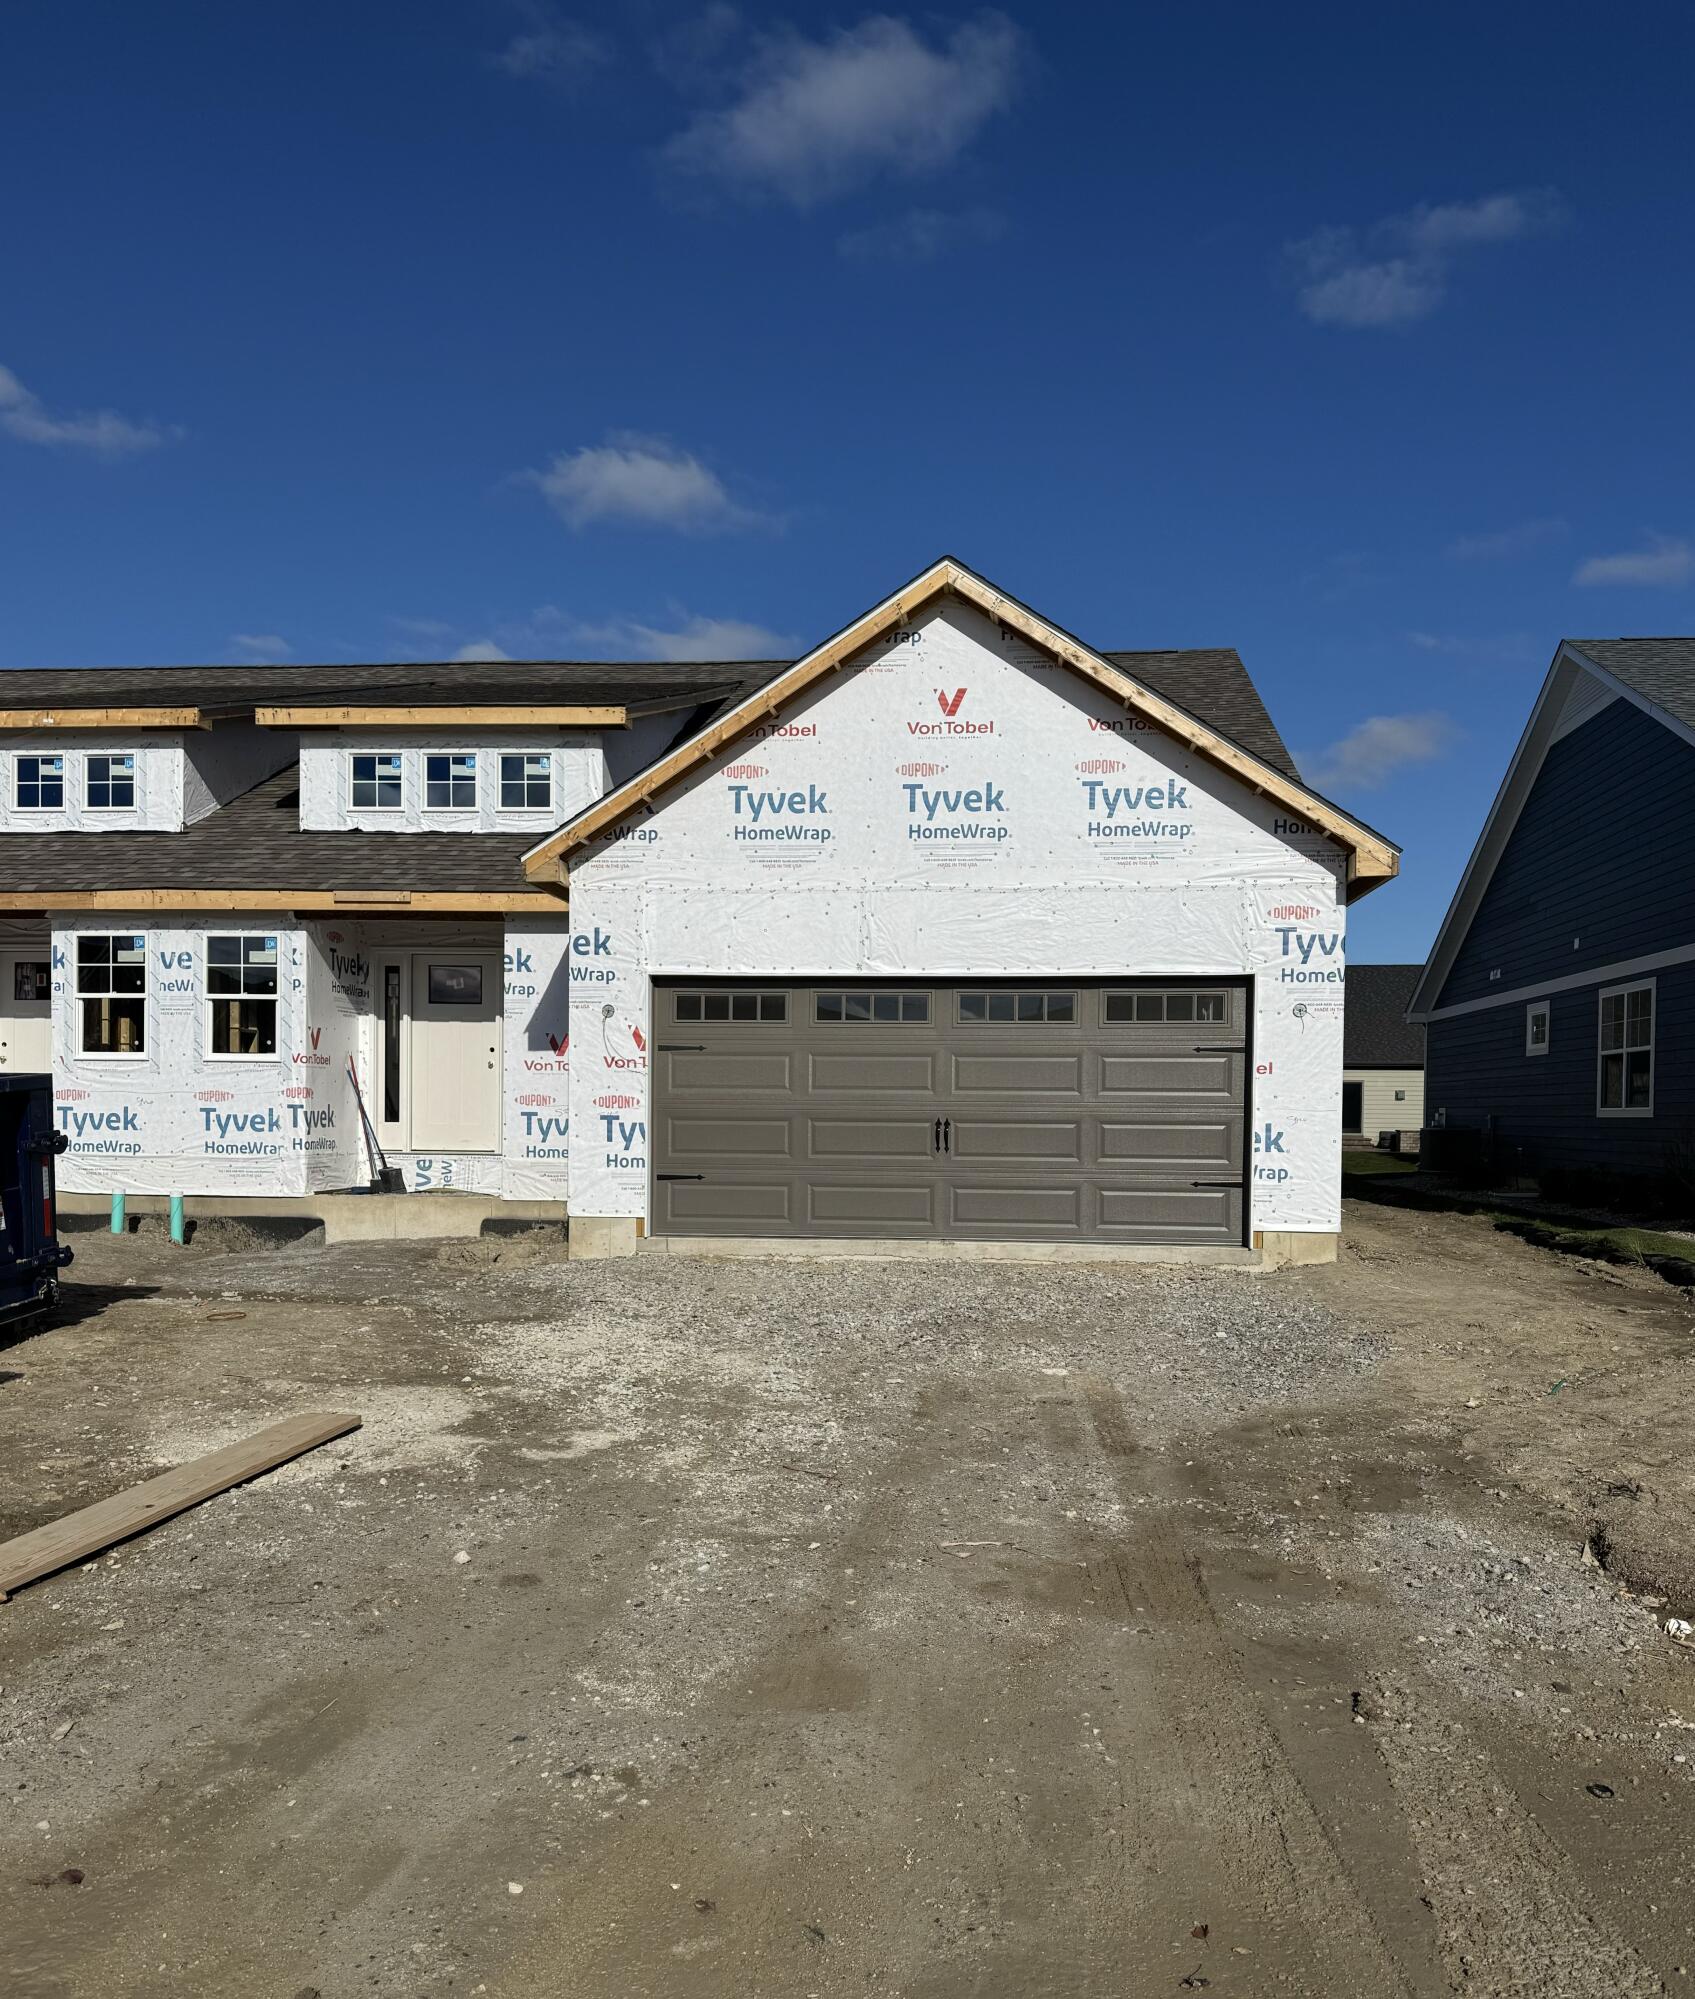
[103, 718]
[28, 1557]
[532, 715]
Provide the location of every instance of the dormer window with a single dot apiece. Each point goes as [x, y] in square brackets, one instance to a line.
[111, 782]
[41, 783]
[526, 782]
[450, 782]
[376, 782]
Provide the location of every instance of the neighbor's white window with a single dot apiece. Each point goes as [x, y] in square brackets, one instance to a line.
[526, 782]
[41, 783]
[1625, 1078]
[110, 781]
[241, 995]
[1536, 1028]
[450, 782]
[112, 994]
[376, 781]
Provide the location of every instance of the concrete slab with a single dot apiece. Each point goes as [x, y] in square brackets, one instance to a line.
[345, 1217]
[899, 1251]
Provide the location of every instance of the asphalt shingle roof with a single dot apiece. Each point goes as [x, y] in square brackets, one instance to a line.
[1376, 1033]
[1661, 670]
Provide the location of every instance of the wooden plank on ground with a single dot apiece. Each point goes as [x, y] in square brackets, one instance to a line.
[108, 1521]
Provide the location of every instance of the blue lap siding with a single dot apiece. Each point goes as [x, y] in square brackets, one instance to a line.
[1599, 869]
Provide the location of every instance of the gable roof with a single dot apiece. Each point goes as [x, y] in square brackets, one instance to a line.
[1372, 859]
[1376, 1033]
[1213, 686]
[1655, 675]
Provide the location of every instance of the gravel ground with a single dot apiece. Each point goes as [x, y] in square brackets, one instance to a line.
[718, 1628]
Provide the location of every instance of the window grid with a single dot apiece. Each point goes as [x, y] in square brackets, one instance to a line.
[1182, 1009]
[241, 994]
[526, 782]
[40, 783]
[910, 1009]
[111, 980]
[376, 781]
[1536, 1027]
[1001, 1008]
[1624, 1083]
[731, 1006]
[109, 781]
[450, 781]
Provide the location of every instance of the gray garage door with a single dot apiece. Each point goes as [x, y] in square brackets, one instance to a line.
[1064, 1110]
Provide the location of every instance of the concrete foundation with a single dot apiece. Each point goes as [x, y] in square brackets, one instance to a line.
[345, 1217]
[596, 1236]
[1281, 1251]
[964, 1251]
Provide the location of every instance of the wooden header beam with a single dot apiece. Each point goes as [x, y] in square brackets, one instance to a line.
[108, 718]
[411, 902]
[465, 714]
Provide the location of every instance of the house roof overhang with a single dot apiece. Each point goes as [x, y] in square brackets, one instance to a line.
[1371, 858]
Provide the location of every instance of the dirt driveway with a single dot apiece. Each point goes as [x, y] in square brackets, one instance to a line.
[854, 1628]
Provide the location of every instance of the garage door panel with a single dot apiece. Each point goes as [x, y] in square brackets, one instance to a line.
[1169, 1075]
[870, 1138]
[903, 1204]
[728, 1071]
[755, 1207]
[865, 1072]
[1135, 1143]
[1055, 1074]
[1027, 1205]
[1153, 1214]
[996, 1141]
[694, 1139]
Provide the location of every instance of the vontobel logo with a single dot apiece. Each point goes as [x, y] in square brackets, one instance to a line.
[779, 815]
[967, 814]
[1118, 805]
[950, 700]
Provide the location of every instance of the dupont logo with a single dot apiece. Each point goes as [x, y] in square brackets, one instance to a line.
[300, 1092]
[1101, 766]
[1295, 912]
[951, 722]
[214, 1096]
[615, 1100]
[919, 770]
[746, 770]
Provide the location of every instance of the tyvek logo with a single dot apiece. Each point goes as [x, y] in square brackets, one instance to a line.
[1308, 946]
[591, 945]
[248, 1133]
[949, 703]
[115, 1131]
[627, 1141]
[965, 814]
[311, 1130]
[784, 816]
[1112, 800]
[1268, 1146]
[545, 1134]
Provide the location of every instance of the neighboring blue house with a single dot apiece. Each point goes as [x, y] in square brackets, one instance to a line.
[1559, 1000]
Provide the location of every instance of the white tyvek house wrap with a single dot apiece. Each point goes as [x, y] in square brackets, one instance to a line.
[158, 806]
[538, 1062]
[576, 758]
[954, 804]
[179, 1120]
[338, 1006]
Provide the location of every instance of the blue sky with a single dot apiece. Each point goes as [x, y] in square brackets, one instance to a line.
[1357, 338]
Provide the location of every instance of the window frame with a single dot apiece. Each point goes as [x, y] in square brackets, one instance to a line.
[354, 780]
[212, 1051]
[1133, 998]
[474, 778]
[524, 779]
[108, 758]
[1019, 997]
[762, 996]
[83, 1052]
[1543, 1010]
[1626, 1047]
[38, 758]
[871, 995]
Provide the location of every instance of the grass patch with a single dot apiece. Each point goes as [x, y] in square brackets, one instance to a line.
[1355, 1164]
[1672, 1257]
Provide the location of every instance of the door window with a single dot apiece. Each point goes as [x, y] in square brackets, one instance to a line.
[905, 1007]
[456, 985]
[732, 1006]
[1183, 1008]
[31, 980]
[1017, 1008]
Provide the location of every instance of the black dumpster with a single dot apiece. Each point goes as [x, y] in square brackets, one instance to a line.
[30, 1256]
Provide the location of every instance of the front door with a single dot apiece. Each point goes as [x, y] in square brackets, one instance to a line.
[26, 1011]
[455, 1052]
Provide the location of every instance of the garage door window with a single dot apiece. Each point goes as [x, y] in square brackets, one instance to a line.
[1181, 1007]
[732, 1006]
[1018, 1008]
[907, 1007]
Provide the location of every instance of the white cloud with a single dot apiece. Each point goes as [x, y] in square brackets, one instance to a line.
[1505, 543]
[550, 633]
[480, 651]
[1667, 563]
[24, 415]
[1505, 646]
[1398, 269]
[921, 235]
[552, 50]
[263, 648]
[817, 118]
[643, 481]
[1373, 750]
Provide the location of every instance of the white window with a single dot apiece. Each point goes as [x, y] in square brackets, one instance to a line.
[241, 995]
[450, 782]
[112, 995]
[376, 781]
[41, 783]
[1536, 1027]
[1624, 1083]
[110, 783]
[526, 782]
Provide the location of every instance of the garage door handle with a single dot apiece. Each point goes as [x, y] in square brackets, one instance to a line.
[680, 1047]
[1192, 1183]
[1218, 1048]
[679, 1176]
[937, 1143]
